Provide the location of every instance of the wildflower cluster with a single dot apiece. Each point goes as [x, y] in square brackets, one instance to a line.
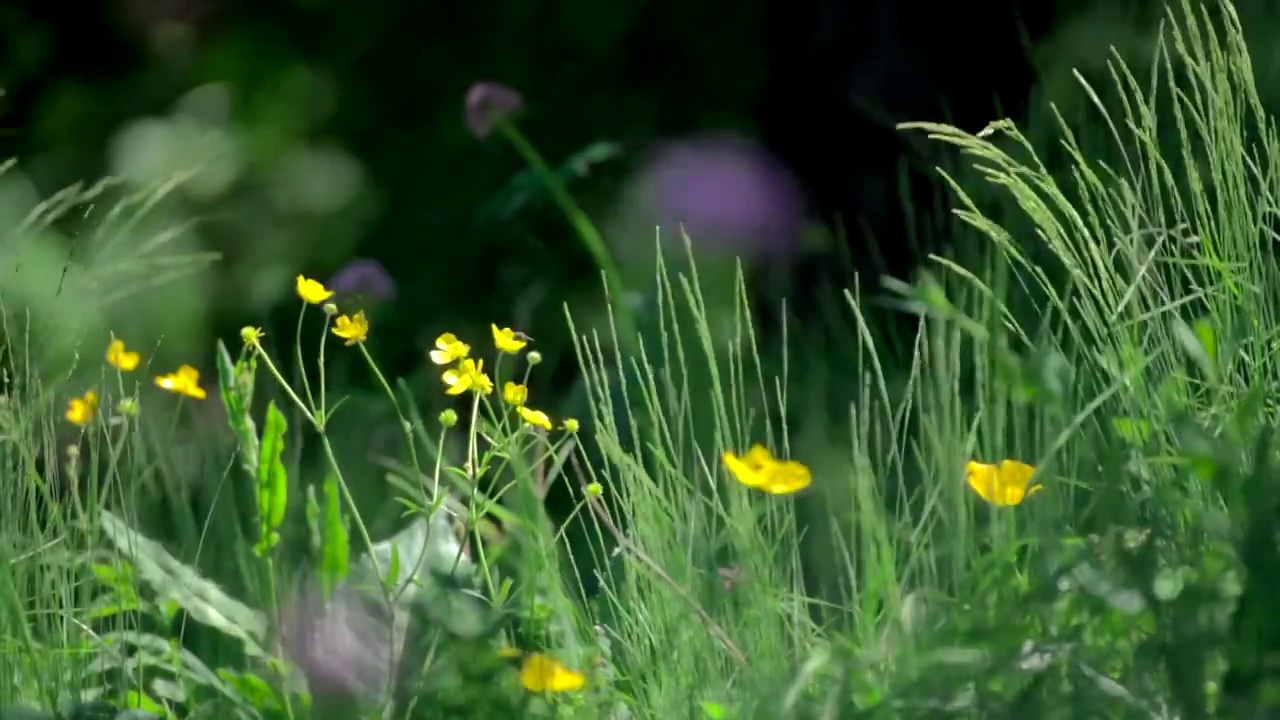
[352, 328]
[466, 374]
[184, 381]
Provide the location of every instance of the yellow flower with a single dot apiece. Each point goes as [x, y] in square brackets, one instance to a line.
[535, 417]
[508, 340]
[185, 381]
[759, 470]
[514, 393]
[120, 358]
[1006, 484]
[541, 673]
[571, 425]
[353, 328]
[467, 375]
[312, 291]
[80, 410]
[449, 349]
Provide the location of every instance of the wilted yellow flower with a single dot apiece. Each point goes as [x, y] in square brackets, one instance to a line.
[352, 328]
[534, 417]
[449, 349]
[514, 393]
[571, 425]
[312, 291]
[80, 410]
[542, 673]
[467, 375]
[184, 381]
[121, 358]
[1008, 483]
[759, 470]
[508, 340]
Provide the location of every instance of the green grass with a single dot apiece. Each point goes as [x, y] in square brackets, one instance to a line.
[1116, 331]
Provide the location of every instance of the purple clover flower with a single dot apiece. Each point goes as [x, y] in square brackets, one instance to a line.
[366, 277]
[727, 193]
[487, 104]
[341, 646]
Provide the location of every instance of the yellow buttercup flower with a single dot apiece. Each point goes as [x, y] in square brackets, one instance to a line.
[449, 349]
[1006, 484]
[184, 381]
[508, 340]
[312, 291]
[467, 375]
[514, 393]
[542, 673]
[759, 470]
[571, 425]
[534, 417]
[352, 328]
[121, 358]
[80, 410]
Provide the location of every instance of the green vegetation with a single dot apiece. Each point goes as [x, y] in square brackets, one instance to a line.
[1116, 335]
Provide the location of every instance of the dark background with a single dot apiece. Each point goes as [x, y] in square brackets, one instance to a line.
[819, 82]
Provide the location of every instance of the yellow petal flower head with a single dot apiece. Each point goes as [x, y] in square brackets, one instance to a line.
[467, 375]
[184, 381]
[121, 358]
[449, 349]
[80, 410]
[508, 340]
[352, 328]
[759, 470]
[312, 291]
[541, 673]
[1006, 484]
[514, 393]
[534, 417]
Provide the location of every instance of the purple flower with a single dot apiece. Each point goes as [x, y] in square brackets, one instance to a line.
[341, 646]
[487, 104]
[726, 192]
[366, 277]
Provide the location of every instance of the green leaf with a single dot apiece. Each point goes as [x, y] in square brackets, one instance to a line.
[713, 710]
[171, 580]
[1192, 342]
[335, 553]
[1134, 431]
[314, 533]
[138, 700]
[272, 480]
[390, 580]
[237, 402]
